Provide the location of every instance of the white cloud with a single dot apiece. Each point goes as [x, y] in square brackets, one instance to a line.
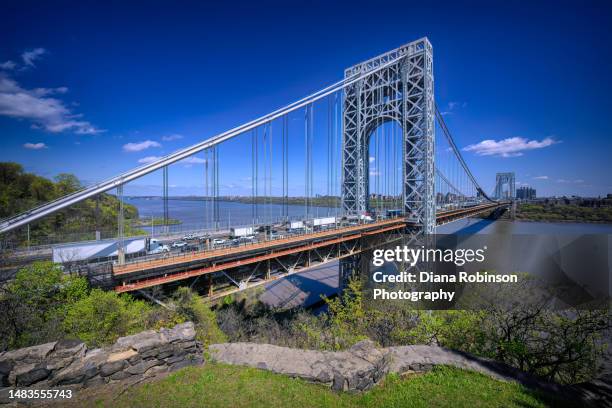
[36, 105]
[149, 159]
[540, 178]
[35, 146]
[32, 55]
[188, 161]
[564, 181]
[511, 147]
[372, 159]
[452, 106]
[8, 65]
[193, 160]
[170, 138]
[137, 147]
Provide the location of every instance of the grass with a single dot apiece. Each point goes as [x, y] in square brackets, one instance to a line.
[216, 385]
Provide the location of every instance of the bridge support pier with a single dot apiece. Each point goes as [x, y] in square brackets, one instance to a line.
[347, 268]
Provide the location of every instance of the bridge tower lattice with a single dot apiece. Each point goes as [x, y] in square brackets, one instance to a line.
[401, 92]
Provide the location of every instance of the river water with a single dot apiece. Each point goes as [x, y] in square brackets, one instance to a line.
[507, 227]
[197, 215]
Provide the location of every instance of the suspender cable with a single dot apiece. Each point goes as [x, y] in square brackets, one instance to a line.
[265, 169]
[285, 124]
[217, 216]
[206, 194]
[120, 225]
[307, 159]
[56, 205]
[253, 142]
[256, 177]
[457, 152]
[310, 151]
[328, 194]
[165, 197]
[270, 159]
[337, 150]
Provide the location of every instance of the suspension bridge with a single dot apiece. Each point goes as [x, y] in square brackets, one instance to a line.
[373, 147]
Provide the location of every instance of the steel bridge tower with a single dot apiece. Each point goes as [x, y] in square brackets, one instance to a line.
[400, 92]
[502, 179]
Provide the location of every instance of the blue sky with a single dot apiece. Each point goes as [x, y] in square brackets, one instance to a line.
[94, 89]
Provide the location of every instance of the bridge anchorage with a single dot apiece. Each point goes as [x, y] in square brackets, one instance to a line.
[435, 185]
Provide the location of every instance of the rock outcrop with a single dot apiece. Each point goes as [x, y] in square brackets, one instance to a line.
[358, 369]
[69, 363]
[363, 365]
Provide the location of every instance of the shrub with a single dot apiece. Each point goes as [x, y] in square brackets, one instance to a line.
[102, 317]
[192, 308]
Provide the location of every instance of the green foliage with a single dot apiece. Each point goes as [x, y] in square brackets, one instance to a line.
[455, 329]
[103, 316]
[29, 304]
[561, 346]
[44, 304]
[557, 212]
[21, 191]
[191, 306]
[347, 318]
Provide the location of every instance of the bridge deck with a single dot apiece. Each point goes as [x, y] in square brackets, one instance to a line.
[166, 270]
[207, 255]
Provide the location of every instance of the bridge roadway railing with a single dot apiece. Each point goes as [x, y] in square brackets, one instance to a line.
[143, 264]
[452, 215]
[167, 259]
[228, 262]
[140, 275]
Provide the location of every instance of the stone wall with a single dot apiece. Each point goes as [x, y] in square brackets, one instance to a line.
[358, 368]
[70, 363]
[363, 365]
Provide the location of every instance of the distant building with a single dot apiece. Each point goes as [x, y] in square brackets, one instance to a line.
[525, 193]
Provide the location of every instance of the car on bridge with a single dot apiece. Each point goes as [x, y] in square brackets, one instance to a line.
[190, 248]
[218, 242]
[179, 244]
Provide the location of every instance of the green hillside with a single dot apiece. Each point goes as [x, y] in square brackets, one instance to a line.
[21, 191]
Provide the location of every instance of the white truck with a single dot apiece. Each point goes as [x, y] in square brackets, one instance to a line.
[365, 218]
[296, 225]
[241, 232]
[324, 222]
[156, 247]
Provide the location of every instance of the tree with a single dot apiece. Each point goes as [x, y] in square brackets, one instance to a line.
[66, 183]
[21, 191]
[31, 301]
